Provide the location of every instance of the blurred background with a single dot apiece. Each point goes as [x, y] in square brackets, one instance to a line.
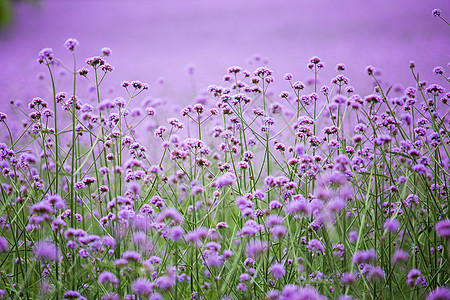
[161, 40]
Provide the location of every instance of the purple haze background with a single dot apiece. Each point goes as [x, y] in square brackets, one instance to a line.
[154, 39]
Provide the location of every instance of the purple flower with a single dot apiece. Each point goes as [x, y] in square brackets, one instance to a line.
[274, 204]
[165, 282]
[176, 233]
[71, 295]
[142, 286]
[352, 236]
[110, 296]
[345, 297]
[109, 241]
[196, 235]
[241, 287]
[45, 55]
[273, 294]
[106, 277]
[314, 245]
[273, 220]
[443, 228]
[440, 293]
[336, 204]
[70, 44]
[46, 250]
[244, 277]
[296, 206]
[172, 213]
[277, 270]
[291, 291]
[413, 274]
[224, 180]
[364, 256]
[255, 247]
[42, 207]
[131, 255]
[400, 256]
[4, 245]
[227, 253]
[348, 278]
[278, 231]
[376, 273]
[106, 51]
[436, 12]
[391, 225]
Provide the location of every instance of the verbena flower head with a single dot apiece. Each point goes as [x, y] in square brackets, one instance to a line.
[142, 286]
[47, 251]
[440, 293]
[108, 277]
[255, 247]
[277, 270]
[391, 225]
[45, 56]
[71, 44]
[71, 295]
[443, 228]
[4, 245]
[436, 12]
[400, 256]
[364, 256]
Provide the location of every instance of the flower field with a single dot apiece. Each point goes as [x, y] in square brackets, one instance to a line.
[320, 191]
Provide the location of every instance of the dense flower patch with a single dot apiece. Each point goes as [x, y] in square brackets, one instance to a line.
[315, 193]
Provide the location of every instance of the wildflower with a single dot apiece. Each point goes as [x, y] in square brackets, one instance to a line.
[106, 277]
[172, 213]
[131, 255]
[364, 256]
[71, 295]
[413, 274]
[277, 270]
[440, 293]
[255, 247]
[400, 256]
[70, 44]
[95, 61]
[106, 51]
[273, 220]
[348, 278]
[275, 204]
[375, 273]
[196, 235]
[391, 225]
[45, 55]
[142, 286]
[291, 291]
[46, 250]
[443, 228]
[224, 180]
[110, 296]
[314, 245]
[278, 231]
[438, 70]
[436, 12]
[4, 245]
